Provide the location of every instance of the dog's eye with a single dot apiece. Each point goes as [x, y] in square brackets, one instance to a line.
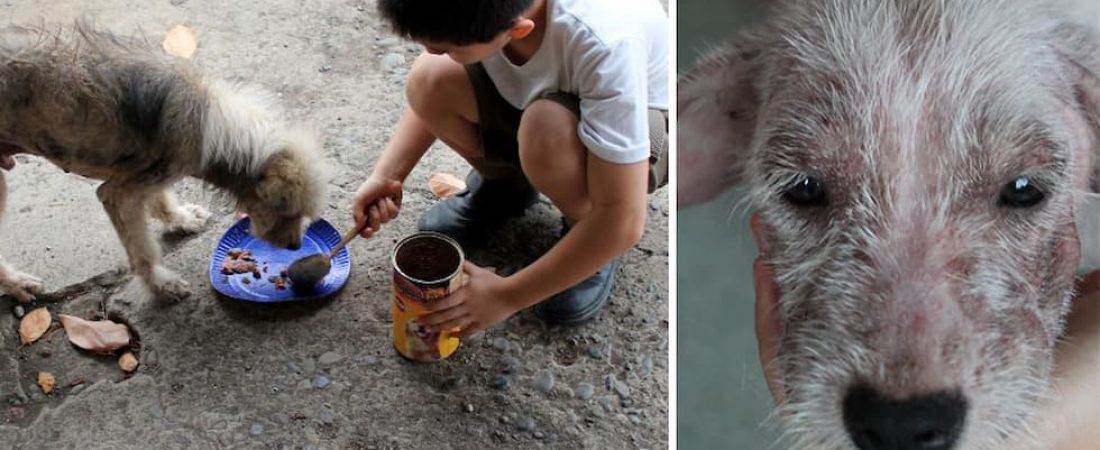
[806, 191]
[1020, 193]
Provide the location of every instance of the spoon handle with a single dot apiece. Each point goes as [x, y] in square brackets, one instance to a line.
[351, 234]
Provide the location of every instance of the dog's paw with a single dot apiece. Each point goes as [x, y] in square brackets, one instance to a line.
[170, 287]
[188, 219]
[23, 286]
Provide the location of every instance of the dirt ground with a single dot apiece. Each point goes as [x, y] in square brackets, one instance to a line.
[216, 373]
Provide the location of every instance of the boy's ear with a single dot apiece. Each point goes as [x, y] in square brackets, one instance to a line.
[522, 28]
[716, 106]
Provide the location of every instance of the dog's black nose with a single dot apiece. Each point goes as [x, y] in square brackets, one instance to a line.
[925, 422]
[294, 246]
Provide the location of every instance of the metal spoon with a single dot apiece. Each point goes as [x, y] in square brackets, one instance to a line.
[310, 270]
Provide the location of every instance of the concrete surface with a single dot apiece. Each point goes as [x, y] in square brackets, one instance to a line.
[723, 402]
[219, 374]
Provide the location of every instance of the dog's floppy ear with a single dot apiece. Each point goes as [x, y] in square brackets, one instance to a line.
[716, 105]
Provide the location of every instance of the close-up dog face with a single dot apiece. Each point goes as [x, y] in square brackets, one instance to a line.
[916, 166]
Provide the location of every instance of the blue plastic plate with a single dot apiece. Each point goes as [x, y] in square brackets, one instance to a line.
[321, 237]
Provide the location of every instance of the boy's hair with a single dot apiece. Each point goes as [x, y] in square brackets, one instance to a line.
[457, 22]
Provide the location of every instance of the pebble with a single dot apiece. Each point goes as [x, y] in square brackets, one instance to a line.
[501, 382]
[76, 389]
[325, 68]
[511, 364]
[304, 384]
[544, 382]
[596, 352]
[505, 420]
[502, 344]
[469, 407]
[281, 418]
[647, 365]
[321, 381]
[256, 429]
[327, 417]
[309, 447]
[626, 403]
[393, 60]
[585, 391]
[539, 435]
[309, 366]
[19, 311]
[329, 358]
[370, 360]
[526, 424]
[621, 388]
[597, 412]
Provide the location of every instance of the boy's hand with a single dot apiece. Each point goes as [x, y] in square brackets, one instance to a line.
[484, 301]
[377, 201]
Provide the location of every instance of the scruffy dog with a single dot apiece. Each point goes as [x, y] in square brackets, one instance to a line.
[917, 166]
[116, 110]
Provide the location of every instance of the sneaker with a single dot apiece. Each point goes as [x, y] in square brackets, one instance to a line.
[485, 204]
[580, 303]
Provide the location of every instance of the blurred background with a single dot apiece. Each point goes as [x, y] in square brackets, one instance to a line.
[722, 401]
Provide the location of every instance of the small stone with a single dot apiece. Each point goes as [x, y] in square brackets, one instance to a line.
[585, 391]
[370, 360]
[544, 382]
[256, 429]
[511, 364]
[309, 446]
[539, 435]
[469, 407]
[178, 2]
[321, 381]
[305, 384]
[647, 365]
[325, 68]
[501, 382]
[597, 412]
[329, 358]
[608, 403]
[526, 424]
[281, 418]
[309, 366]
[626, 403]
[635, 420]
[621, 388]
[393, 60]
[505, 420]
[596, 352]
[502, 344]
[76, 389]
[388, 42]
[19, 311]
[327, 417]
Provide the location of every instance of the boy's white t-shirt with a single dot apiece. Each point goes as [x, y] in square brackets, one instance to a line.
[613, 55]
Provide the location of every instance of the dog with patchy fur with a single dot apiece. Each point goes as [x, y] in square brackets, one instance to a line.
[116, 110]
[917, 166]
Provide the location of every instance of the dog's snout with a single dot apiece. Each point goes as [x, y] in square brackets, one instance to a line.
[294, 246]
[924, 422]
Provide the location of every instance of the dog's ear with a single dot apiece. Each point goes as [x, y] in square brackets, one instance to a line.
[717, 104]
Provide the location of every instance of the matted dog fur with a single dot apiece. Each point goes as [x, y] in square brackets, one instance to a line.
[917, 166]
[118, 110]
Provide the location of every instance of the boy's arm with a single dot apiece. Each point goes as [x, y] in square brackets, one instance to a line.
[378, 198]
[409, 142]
[615, 223]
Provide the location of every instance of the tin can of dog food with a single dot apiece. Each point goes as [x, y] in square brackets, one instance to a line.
[427, 267]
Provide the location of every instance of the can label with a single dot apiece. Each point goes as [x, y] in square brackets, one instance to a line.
[427, 267]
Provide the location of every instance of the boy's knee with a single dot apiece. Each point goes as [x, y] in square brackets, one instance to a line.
[431, 78]
[546, 124]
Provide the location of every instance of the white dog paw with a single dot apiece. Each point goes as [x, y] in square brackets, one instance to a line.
[170, 287]
[23, 286]
[189, 219]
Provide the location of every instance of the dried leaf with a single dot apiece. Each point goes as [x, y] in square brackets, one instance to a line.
[180, 41]
[34, 325]
[445, 185]
[128, 362]
[46, 381]
[101, 336]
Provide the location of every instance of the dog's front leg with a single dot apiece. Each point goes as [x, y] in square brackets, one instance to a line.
[17, 284]
[125, 206]
[177, 218]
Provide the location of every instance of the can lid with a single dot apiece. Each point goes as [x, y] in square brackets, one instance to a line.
[434, 235]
